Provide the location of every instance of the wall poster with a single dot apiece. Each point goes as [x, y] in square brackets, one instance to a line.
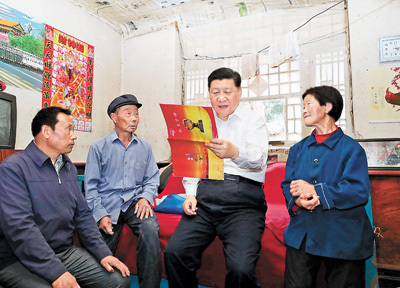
[68, 76]
[21, 49]
[384, 95]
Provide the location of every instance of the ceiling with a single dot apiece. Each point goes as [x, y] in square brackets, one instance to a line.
[137, 17]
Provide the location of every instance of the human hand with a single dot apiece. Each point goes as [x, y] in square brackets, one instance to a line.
[110, 261]
[297, 187]
[308, 201]
[106, 225]
[189, 206]
[223, 148]
[143, 209]
[66, 280]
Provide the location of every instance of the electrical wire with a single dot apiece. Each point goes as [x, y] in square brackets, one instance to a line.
[200, 57]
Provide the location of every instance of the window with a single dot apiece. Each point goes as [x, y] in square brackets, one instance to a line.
[276, 92]
[330, 70]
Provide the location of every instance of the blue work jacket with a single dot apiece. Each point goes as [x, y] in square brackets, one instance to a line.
[339, 227]
[40, 210]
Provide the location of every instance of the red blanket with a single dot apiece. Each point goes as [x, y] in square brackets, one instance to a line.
[271, 264]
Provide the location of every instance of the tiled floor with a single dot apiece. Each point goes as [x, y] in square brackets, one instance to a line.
[164, 283]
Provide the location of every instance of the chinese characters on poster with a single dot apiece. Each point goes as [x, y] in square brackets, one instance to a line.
[189, 128]
[68, 76]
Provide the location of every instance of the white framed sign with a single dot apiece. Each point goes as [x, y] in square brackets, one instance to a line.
[389, 49]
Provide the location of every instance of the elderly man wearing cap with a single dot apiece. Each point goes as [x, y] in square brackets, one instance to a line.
[121, 180]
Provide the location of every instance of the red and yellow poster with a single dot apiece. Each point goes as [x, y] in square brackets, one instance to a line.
[68, 76]
[189, 128]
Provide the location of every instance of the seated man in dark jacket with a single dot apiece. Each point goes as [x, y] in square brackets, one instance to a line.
[41, 206]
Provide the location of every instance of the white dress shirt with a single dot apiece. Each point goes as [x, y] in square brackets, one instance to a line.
[249, 132]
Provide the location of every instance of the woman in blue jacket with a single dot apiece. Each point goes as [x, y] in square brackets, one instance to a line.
[326, 187]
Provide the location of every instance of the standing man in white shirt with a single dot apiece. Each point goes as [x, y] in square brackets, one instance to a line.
[232, 209]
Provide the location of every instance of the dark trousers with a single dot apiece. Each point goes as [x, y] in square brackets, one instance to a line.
[81, 264]
[233, 211]
[302, 270]
[149, 265]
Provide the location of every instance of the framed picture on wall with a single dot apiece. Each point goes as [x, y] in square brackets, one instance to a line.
[382, 153]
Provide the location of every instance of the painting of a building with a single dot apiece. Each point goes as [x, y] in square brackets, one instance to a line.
[7, 26]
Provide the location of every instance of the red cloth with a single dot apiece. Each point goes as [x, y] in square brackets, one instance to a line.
[271, 264]
[2, 86]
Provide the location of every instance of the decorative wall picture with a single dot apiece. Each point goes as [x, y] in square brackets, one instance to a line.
[382, 153]
[68, 76]
[21, 49]
[384, 95]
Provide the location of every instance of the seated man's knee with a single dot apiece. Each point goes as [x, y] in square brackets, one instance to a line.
[125, 282]
[150, 224]
[113, 280]
[148, 228]
[240, 269]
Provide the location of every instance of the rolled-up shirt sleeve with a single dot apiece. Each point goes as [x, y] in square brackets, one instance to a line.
[190, 184]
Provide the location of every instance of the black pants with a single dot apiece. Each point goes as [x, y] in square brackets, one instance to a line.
[302, 270]
[233, 211]
[148, 254]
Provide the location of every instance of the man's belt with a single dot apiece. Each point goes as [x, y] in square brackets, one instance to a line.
[238, 178]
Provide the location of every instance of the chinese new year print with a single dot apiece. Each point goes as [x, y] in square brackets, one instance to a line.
[68, 76]
[384, 95]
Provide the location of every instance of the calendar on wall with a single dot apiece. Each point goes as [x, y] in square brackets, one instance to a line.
[389, 49]
[68, 76]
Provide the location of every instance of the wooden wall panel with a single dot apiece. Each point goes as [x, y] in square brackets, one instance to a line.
[4, 153]
[385, 200]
